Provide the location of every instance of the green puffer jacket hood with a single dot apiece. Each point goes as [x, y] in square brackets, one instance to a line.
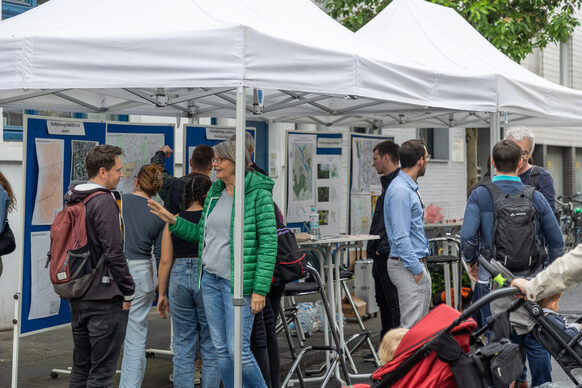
[260, 232]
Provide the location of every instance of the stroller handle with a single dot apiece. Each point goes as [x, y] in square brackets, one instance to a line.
[497, 294]
[499, 274]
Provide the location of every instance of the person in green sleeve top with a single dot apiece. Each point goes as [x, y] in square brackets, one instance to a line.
[214, 234]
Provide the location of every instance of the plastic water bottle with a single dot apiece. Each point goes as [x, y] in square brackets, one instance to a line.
[314, 224]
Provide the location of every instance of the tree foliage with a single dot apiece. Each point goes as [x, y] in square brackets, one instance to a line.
[515, 27]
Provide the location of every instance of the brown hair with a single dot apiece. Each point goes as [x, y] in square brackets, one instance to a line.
[102, 155]
[390, 343]
[506, 156]
[390, 148]
[6, 185]
[202, 157]
[548, 300]
[411, 152]
[150, 179]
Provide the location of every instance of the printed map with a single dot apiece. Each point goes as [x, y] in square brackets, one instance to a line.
[79, 151]
[363, 173]
[49, 192]
[302, 195]
[137, 149]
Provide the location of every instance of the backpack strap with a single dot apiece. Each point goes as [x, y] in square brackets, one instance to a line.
[496, 193]
[534, 176]
[87, 198]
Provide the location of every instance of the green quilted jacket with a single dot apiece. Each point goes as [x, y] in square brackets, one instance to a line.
[260, 232]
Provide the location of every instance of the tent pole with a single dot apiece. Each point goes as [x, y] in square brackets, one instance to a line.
[494, 135]
[240, 167]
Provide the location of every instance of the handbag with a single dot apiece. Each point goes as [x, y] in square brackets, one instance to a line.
[7, 241]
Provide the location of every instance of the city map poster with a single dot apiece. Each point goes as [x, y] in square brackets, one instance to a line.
[44, 302]
[364, 174]
[49, 192]
[79, 151]
[301, 176]
[361, 214]
[138, 149]
[331, 195]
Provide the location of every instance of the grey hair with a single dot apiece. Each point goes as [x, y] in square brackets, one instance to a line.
[249, 140]
[227, 150]
[521, 133]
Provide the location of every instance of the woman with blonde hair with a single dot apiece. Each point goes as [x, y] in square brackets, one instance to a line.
[142, 231]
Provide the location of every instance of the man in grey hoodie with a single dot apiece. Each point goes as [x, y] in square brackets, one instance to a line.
[99, 317]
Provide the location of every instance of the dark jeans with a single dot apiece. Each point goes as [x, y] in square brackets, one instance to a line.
[537, 357]
[481, 290]
[386, 296]
[98, 333]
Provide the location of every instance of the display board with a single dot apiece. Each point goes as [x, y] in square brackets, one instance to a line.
[50, 161]
[316, 177]
[54, 158]
[210, 135]
[139, 143]
[365, 186]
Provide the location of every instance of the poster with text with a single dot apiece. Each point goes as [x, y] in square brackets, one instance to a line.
[301, 180]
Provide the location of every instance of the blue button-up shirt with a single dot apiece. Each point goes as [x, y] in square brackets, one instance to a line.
[404, 220]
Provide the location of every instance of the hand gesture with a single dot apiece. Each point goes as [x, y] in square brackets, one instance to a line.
[167, 150]
[161, 212]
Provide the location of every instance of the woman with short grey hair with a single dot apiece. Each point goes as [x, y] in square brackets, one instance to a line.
[213, 234]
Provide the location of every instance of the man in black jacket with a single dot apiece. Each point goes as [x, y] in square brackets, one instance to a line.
[99, 317]
[386, 158]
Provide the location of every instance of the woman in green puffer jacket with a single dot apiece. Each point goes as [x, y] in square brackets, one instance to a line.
[214, 235]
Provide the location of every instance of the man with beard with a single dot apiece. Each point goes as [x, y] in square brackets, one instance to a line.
[404, 220]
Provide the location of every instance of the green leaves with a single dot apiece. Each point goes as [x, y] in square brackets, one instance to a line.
[516, 27]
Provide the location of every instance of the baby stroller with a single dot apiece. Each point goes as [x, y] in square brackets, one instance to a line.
[566, 350]
[435, 353]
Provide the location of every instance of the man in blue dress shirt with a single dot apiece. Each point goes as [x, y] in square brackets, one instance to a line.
[404, 220]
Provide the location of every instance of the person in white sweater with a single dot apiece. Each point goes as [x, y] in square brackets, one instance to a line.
[563, 273]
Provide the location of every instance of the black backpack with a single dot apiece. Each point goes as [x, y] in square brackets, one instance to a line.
[290, 264]
[515, 242]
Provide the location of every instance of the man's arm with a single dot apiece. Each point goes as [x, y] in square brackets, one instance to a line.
[546, 188]
[106, 220]
[563, 273]
[397, 215]
[168, 182]
[549, 225]
[470, 229]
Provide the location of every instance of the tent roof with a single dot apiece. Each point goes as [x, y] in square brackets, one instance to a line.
[438, 37]
[187, 57]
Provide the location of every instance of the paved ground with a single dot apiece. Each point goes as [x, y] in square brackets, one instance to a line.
[42, 352]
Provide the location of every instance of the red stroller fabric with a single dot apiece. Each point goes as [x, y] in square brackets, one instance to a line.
[430, 371]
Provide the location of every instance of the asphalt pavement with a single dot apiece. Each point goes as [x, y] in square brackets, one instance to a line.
[43, 352]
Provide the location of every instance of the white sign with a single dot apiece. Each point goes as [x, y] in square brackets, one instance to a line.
[72, 128]
[219, 133]
[329, 142]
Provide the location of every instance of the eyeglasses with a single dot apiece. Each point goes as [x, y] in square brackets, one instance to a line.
[524, 152]
[428, 157]
[218, 159]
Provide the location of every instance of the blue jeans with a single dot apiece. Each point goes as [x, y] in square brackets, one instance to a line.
[538, 359]
[189, 319]
[220, 314]
[480, 291]
[134, 361]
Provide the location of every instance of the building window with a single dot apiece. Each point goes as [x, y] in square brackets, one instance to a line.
[436, 141]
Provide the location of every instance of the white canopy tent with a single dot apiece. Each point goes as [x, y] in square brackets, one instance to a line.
[442, 40]
[198, 57]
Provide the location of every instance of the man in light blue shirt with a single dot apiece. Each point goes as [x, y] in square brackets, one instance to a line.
[404, 220]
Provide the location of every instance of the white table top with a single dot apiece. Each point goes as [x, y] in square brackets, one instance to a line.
[339, 239]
